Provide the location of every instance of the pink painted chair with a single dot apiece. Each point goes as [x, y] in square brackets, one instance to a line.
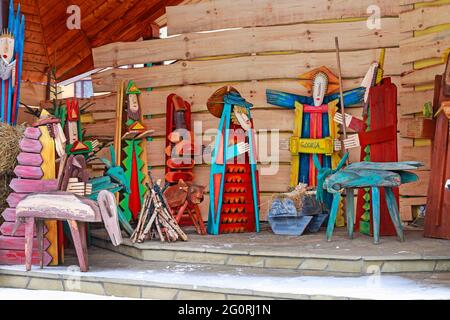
[35, 208]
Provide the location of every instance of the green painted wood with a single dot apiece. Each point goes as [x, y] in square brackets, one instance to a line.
[376, 214]
[333, 215]
[350, 211]
[394, 212]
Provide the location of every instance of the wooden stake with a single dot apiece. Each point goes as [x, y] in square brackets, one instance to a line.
[341, 92]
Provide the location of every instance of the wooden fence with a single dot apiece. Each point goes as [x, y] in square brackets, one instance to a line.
[276, 42]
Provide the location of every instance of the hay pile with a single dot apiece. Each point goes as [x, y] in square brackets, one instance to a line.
[9, 150]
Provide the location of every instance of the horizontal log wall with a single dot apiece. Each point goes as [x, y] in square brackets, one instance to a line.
[422, 56]
[270, 50]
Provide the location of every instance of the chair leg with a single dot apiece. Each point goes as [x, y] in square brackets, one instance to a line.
[40, 241]
[333, 215]
[83, 226]
[393, 211]
[75, 231]
[29, 235]
[350, 211]
[376, 214]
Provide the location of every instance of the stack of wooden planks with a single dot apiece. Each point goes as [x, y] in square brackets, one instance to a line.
[275, 43]
[423, 55]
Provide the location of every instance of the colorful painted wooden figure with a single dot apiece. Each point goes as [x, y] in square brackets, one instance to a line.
[234, 186]
[134, 151]
[11, 50]
[437, 218]
[377, 137]
[315, 132]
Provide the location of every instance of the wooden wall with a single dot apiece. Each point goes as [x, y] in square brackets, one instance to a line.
[422, 56]
[276, 42]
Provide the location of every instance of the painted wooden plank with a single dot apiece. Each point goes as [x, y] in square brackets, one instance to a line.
[433, 45]
[421, 154]
[17, 257]
[30, 145]
[299, 37]
[29, 159]
[423, 18]
[28, 186]
[410, 2]
[9, 214]
[154, 102]
[32, 94]
[422, 76]
[414, 101]
[49, 168]
[14, 198]
[28, 172]
[32, 133]
[7, 228]
[419, 128]
[16, 243]
[277, 66]
[221, 14]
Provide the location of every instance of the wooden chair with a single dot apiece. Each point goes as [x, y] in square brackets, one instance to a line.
[35, 208]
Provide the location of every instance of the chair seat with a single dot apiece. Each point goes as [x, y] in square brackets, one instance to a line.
[58, 206]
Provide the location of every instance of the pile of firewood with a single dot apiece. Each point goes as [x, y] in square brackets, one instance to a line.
[156, 219]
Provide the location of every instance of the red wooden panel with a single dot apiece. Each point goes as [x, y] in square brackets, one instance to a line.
[28, 186]
[32, 133]
[30, 159]
[14, 198]
[28, 172]
[9, 214]
[30, 145]
[17, 243]
[7, 228]
[15, 257]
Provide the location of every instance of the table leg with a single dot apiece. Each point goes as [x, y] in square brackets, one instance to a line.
[333, 215]
[29, 235]
[350, 211]
[393, 211]
[376, 214]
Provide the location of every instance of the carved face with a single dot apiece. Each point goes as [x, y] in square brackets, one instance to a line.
[196, 194]
[320, 87]
[242, 117]
[7, 48]
[133, 103]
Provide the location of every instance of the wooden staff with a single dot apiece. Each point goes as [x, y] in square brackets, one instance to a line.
[341, 91]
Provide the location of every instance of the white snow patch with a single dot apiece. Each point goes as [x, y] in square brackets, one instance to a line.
[364, 287]
[24, 294]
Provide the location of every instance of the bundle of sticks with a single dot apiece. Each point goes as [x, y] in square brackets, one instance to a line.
[156, 219]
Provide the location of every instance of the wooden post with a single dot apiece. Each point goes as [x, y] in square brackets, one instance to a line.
[4, 13]
[341, 91]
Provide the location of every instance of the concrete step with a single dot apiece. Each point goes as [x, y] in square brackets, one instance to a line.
[113, 274]
[307, 253]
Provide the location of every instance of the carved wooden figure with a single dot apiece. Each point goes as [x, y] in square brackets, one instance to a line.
[234, 186]
[437, 216]
[131, 142]
[180, 151]
[11, 48]
[315, 132]
[377, 137]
